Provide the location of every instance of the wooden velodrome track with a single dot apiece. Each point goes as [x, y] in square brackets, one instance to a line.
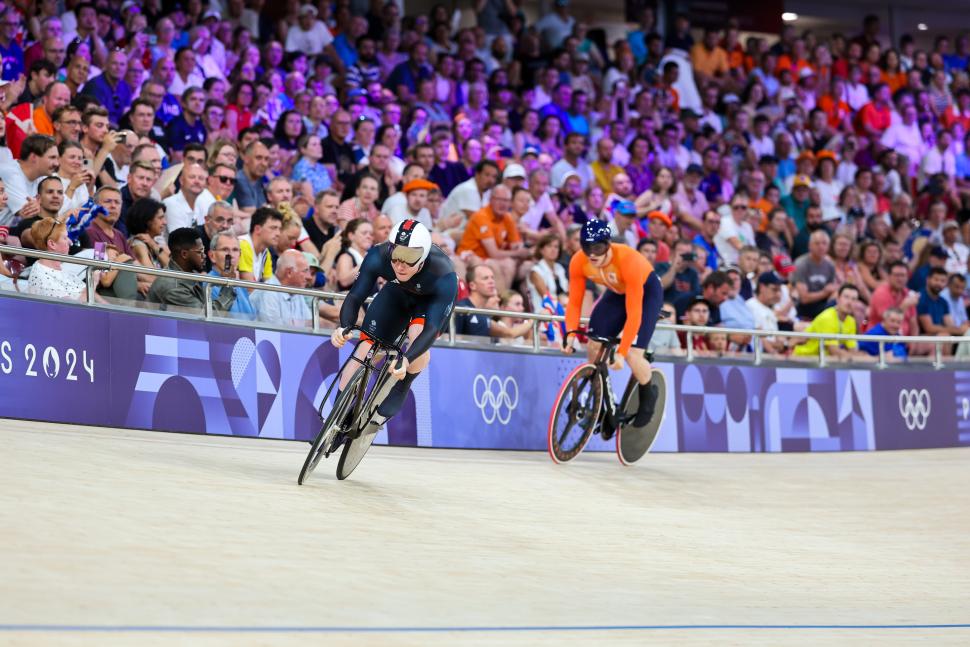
[113, 537]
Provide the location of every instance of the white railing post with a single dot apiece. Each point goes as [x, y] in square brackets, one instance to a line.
[882, 354]
[690, 346]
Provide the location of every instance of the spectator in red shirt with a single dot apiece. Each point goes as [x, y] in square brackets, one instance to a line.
[876, 116]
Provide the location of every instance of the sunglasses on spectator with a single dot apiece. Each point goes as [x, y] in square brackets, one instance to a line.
[226, 179]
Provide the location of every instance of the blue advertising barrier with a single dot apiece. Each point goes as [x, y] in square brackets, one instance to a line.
[76, 364]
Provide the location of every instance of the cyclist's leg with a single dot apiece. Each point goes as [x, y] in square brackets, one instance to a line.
[606, 320]
[636, 358]
[399, 392]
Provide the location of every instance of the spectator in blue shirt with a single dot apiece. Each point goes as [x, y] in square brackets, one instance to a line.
[956, 286]
[187, 127]
[110, 88]
[224, 255]
[403, 80]
[935, 260]
[10, 50]
[891, 325]
[933, 311]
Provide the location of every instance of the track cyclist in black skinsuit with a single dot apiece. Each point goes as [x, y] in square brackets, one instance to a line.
[418, 296]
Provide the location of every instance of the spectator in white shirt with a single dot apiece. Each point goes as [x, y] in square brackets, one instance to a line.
[184, 209]
[939, 159]
[467, 198]
[905, 138]
[416, 196]
[767, 296]
[309, 35]
[735, 232]
[956, 286]
[38, 159]
[281, 308]
[956, 251]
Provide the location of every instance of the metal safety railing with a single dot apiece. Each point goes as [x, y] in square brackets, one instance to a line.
[537, 319]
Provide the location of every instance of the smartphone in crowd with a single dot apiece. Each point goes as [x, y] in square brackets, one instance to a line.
[228, 264]
[99, 251]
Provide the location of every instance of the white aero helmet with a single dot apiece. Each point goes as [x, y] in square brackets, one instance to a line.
[410, 242]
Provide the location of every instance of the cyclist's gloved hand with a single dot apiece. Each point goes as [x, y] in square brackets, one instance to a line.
[618, 362]
[398, 372]
[337, 338]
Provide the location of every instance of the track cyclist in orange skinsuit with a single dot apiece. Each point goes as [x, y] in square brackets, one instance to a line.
[630, 306]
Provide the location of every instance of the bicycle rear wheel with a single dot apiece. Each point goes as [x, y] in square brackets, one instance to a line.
[633, 443]
[356, 447]
[334, 423]
[575, 413]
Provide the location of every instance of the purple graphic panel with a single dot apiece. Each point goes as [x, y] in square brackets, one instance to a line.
[69, 363]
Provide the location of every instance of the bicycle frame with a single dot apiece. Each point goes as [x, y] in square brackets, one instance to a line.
[364, 400]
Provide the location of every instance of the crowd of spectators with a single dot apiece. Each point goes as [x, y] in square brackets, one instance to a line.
[800, 181]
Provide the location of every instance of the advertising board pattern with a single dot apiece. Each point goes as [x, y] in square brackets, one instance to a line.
[66, 363]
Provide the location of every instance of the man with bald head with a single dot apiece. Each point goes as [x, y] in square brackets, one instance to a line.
[55, 96]
[50, 27]
[281, 308]
[55, 51]
[110, 88]
[184, 209]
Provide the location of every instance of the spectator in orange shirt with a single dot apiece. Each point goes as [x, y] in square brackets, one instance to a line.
[875, 116]
[836, 109]
[492, 237]
[709, 59]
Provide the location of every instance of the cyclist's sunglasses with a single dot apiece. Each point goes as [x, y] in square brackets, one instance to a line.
[410, 256]
[597, 249]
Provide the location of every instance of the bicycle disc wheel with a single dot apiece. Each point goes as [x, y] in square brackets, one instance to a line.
[335, 420]
[355, 448]
[633, 443]
[575, 413]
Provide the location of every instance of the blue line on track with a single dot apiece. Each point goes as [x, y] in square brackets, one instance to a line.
[390, 630]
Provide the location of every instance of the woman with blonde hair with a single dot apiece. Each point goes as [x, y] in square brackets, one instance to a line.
[363, 204]
[47, 278]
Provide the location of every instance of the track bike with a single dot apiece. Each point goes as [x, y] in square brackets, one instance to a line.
[353, 422]
[586, 405]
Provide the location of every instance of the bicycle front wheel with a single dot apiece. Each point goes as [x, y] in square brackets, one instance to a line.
[361, 439]
[575, 413]
[335, 423]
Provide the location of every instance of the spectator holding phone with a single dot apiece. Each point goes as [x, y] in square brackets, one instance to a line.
[223, 255]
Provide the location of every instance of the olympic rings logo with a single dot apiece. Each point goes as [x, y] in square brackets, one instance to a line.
[914, 407]
[495, 398]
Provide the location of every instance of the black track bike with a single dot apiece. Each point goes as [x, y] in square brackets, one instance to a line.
[586, 405]
[354, 422]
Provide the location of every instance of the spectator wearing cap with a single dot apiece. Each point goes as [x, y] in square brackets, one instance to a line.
[835, 320]
[308, 35]
[572, 162]
[798, 201]
[936, 258]
[697, 312]
[223, 260]
[933, 310]
[492, 237]
[735, 231]
[623, 226]
[416, 196]
[660, 226]
[891, 326]
[957, 252]
[762, 308]
[513, 176]
[814, 277]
